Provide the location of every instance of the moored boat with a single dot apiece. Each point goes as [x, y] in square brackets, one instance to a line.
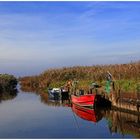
[55, 93]
[84, 100]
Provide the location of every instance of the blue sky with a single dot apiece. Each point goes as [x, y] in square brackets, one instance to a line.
[35, 36]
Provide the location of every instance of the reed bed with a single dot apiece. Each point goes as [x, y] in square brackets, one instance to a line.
[126, 76]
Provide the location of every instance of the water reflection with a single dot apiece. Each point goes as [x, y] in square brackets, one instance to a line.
[28, 89]
[86, 113]
[8, 95]
[120, 123]
[123, 122]
[54, 102]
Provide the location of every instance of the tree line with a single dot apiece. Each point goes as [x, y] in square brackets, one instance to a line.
[7, 82]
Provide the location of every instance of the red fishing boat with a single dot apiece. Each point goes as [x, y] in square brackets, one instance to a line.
[86, 113]
[84, 100]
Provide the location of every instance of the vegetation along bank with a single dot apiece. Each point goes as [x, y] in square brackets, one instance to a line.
[126, 77]
[7, 82]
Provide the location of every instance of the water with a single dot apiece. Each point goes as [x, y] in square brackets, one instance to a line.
[29, 115]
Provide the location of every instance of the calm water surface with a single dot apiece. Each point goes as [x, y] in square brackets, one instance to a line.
[28, 115]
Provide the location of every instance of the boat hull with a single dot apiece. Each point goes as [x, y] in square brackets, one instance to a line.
[84, 100]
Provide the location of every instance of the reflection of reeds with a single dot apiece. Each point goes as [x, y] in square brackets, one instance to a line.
[123, 122]
[44, 97]
[28, 89]
[8, 95]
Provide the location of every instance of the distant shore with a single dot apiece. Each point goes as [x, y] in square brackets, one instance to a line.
[7, 82]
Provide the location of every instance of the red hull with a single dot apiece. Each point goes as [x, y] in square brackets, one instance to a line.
[84, 100]
[84, 113]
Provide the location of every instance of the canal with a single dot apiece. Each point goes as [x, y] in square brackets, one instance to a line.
[32, 115]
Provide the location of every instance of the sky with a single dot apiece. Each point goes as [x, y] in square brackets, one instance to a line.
[36, 36]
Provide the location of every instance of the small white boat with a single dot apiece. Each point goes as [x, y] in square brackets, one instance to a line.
[55, 93]
[58, 93]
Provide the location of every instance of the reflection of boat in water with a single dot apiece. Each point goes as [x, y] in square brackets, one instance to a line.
[54, 100]
[87, 113]
[64, 103]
